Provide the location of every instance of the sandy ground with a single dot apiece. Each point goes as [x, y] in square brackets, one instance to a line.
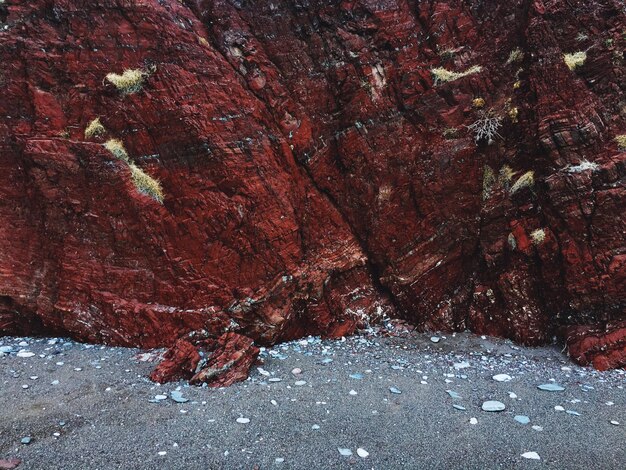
[89, 407]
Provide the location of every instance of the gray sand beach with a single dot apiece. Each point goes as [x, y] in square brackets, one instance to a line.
[363, 402]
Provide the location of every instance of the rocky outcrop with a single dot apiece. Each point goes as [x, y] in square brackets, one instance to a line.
[284, 168]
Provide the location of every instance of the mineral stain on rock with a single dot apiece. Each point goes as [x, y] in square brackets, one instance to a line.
[319, 172]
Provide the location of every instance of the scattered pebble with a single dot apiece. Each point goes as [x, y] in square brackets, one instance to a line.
[453, 394]
[435, 339]
[161, 453]
[178, 397]
[243, 420]
[356, 376]
[394, 390]
[24, 353]
[550, 387]
[493, 405]
[522, 419]
[572, 412]
[296, 371]
[531, 455]
[614, 423]
[458, 407]
[473, 421]
[279, 460]
[559, 408]
[315, 427]
[300, 382]
[502, 378]
[362, 452]
[538, 428]
[352, 392]
[344, 452]
[26, 440]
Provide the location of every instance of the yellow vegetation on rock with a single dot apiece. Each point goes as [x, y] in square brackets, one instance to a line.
[538, 236]
[621, 141]
[145, 183]
[575, 60]
[442, 75]
[506, 175]
[478, 102]
[516, 55]
[94, 129]
[524, 181]
[116, 147]
[489, 180]
[130, 81]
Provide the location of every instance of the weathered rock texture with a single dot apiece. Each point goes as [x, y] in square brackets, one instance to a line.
[316, 176]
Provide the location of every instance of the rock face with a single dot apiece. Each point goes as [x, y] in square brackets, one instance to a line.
[323, 164]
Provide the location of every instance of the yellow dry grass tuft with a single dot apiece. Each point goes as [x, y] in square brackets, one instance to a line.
[505, 175]
[516, 55]
[621, 141]
[116, 147]
[575, 60]
[478, 103]
[442, 75]
[489, 179]
[131, 80]
[538, 236]
[94, 129]
[525, 181]
[145, 183]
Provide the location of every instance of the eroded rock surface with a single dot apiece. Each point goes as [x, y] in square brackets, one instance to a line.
[319, 169]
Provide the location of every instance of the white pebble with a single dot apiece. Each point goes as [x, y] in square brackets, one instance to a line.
[531, 455]
[559, 408]
[243, 420]
[352, 392]
[362, 452]
[502, 378]
[24, 353]
[473, 421]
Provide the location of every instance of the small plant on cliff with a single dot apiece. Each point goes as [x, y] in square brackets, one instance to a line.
[94, 129]
[442, 75]
[575, 60]
[527, 180]
[450, 133]
[486, 127]
[489, 179]
[131, 80]
[116, 147]
[538, 236]
[516, 55]
[478, 103]
[145, 183]
[505, 175]
[621, 141]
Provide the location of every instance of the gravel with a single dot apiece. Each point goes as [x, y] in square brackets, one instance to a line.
[114, 417]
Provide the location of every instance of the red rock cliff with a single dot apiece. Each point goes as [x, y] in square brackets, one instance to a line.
[322, 164]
